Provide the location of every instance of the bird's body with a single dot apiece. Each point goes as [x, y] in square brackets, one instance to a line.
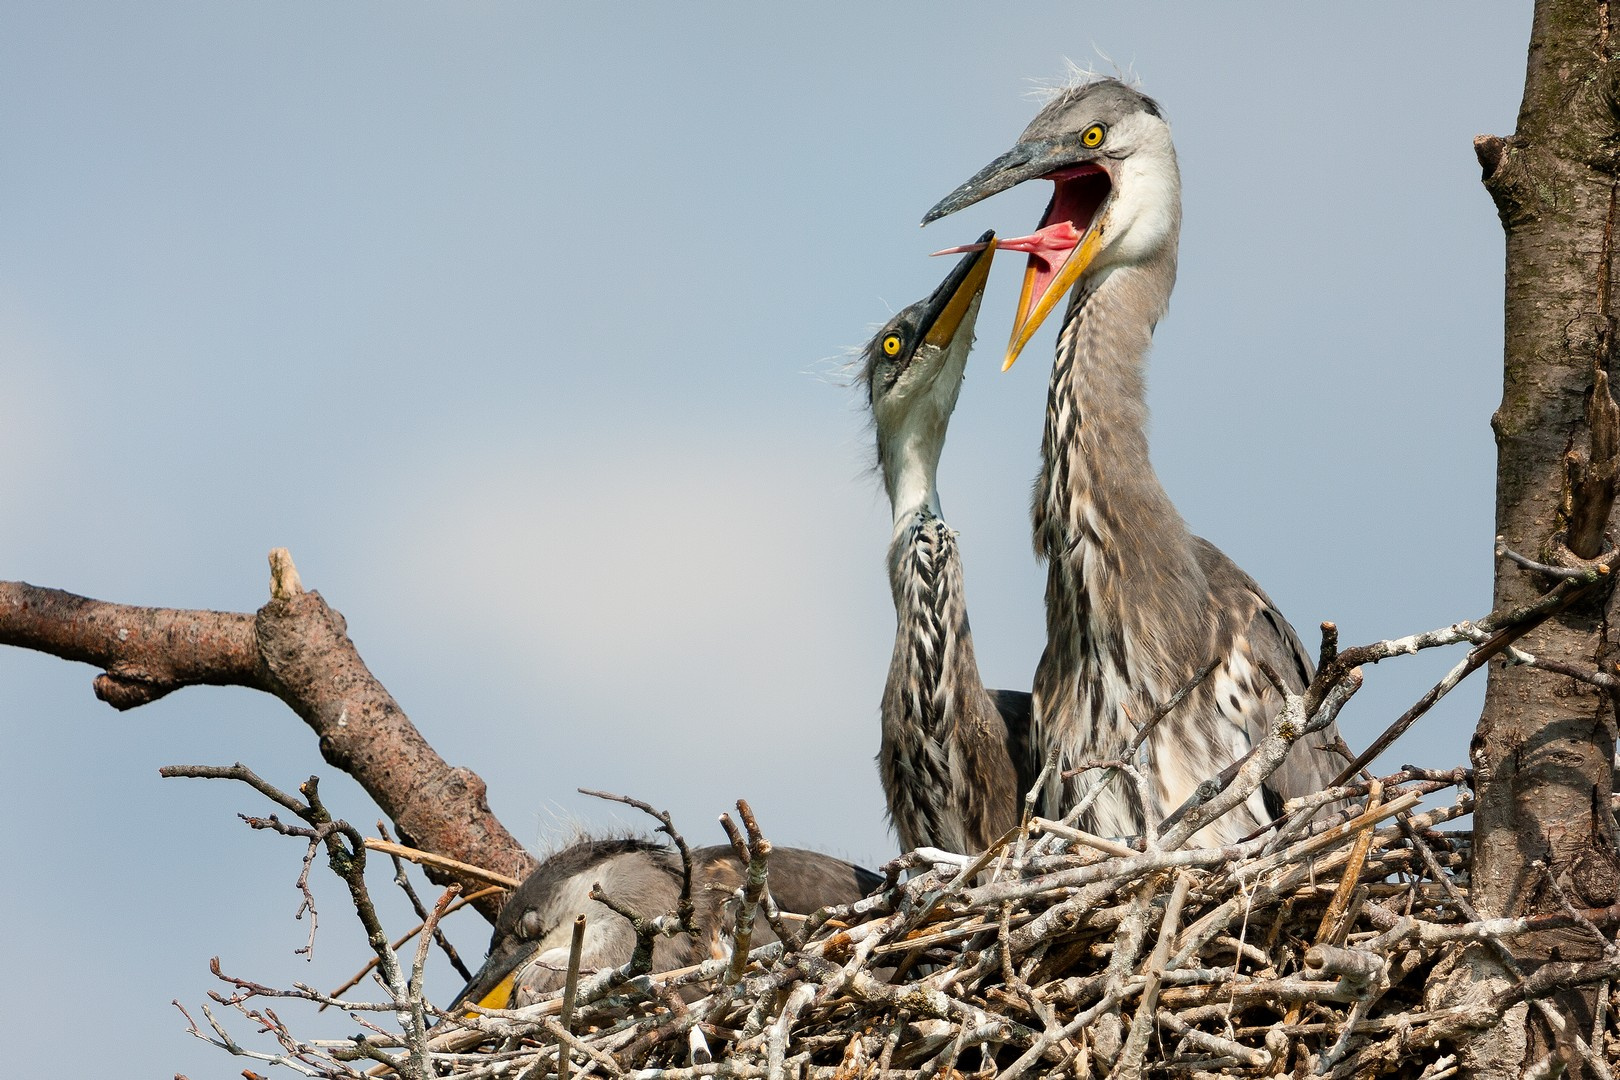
[529, 950]
[952, 752]
[1136, 606]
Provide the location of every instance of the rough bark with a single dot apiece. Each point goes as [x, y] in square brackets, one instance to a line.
[1544, 748]
[297, 648]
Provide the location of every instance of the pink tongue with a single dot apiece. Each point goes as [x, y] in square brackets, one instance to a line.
[1049, 248]
[1055, 239]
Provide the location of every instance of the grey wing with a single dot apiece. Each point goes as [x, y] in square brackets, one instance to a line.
[1016, 709]
[800, 881]
[803, 881]
[1257, 624]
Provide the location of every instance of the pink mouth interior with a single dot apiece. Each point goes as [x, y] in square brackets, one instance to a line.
[1077, 195]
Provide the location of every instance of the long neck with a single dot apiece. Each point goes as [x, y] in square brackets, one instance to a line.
[934, 692]
[910, 464]
[933, 648]
[933, 645]
[1121, 563]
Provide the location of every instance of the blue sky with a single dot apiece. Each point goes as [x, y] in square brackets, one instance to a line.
[523, 327]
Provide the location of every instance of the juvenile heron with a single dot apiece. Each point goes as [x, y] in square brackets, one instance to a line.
[528, 953]
[1136, 606]
[952, 752]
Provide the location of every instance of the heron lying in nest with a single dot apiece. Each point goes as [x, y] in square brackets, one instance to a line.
[529, 951]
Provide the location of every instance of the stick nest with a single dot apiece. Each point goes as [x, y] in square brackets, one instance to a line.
[1303, 951]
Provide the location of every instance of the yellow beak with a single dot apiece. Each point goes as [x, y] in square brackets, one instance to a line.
[944, 329]
[501, 996]
[1027, 321]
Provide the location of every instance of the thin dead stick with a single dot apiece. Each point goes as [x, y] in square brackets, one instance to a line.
[1091, 840]
[1330, 930]
[1555, 572]
[427, 858]
[403, 879]
[400, 942]
[1509, 625]
[570, 989]
[1130, 1063]
[1167, 707]
[666, 825]
[969, 873]
[1297, 718]
[416, 1032]
[1330, 838]
[1504, 630]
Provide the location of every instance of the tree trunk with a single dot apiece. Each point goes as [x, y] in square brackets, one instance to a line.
[1543, 753]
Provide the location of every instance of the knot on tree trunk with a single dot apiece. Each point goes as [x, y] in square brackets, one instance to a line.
[1592, 468]
[1593, 880]
[129, 688]
[1502, 173]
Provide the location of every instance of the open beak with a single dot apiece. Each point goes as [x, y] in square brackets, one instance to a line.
[1071, 230]
[950, 302]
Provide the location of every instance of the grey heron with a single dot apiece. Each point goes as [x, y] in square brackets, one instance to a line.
[1136, 606]
[528, 952]
[952, 752]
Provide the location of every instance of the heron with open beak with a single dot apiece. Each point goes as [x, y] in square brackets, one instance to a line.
[952, 755]
[1137, 607]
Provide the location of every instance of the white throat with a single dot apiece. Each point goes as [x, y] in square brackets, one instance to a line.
[913, 465]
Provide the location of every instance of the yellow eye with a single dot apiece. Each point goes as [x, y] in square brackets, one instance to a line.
[891, 345]
[1092, 137]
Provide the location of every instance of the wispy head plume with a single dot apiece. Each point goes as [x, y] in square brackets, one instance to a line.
[1074, 76]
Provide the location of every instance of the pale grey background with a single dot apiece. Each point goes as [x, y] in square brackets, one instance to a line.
[521, 325]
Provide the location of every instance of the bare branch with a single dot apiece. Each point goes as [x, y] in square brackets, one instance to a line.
[759, 854]
[683, 908]
[296, 648]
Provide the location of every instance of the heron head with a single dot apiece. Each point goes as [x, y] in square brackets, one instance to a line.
[912, 370]
[1116, 196]
[516, 942]
[529, 950]
[915, 362]
[536, 924]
